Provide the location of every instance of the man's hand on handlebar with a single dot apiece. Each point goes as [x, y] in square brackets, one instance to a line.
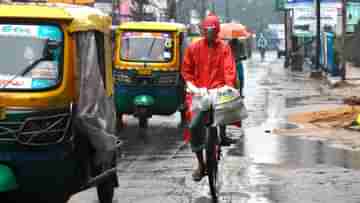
[204, 91]
[195, 90]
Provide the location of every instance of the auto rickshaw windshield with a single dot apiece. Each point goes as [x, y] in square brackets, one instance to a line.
[25, 60]
[147, 46]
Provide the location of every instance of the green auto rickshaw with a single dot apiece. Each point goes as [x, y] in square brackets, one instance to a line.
[147, 62]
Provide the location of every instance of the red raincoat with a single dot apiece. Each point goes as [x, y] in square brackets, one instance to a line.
[208, 67]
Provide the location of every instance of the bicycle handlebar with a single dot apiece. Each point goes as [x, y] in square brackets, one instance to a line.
[207, 102]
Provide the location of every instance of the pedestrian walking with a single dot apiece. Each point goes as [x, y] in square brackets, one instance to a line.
[262, 45]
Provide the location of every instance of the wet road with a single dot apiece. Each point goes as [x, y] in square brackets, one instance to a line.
[261, 167]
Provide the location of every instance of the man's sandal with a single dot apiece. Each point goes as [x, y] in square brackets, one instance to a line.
[198, 174]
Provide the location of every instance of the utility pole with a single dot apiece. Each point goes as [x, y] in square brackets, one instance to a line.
[286, 21]
[115, 11]
[202, 9]
[227, 11]
[316, 72]
[212, 4]
[343, 54]
[171, 9]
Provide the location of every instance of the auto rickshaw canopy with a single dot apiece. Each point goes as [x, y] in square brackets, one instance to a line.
[151, 26]
[81, 18]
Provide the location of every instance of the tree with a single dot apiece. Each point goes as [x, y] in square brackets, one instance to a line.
[138, 9]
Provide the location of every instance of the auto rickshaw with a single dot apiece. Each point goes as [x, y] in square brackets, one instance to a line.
[57, 113]
[146, 73]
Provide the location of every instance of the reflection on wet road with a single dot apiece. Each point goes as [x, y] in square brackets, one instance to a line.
[156, 168]
[292, 152]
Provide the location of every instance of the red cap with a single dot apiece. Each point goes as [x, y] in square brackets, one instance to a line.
[211, 21]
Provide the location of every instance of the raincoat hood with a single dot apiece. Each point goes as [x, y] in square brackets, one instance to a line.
[211, 21]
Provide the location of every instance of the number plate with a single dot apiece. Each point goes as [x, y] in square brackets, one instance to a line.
[144, 72]
[2, 113]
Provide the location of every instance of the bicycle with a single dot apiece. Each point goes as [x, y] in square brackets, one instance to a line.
[213, 154]
[212, 146]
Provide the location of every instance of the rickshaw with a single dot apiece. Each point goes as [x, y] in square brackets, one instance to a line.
[147, 77]
[57, 112]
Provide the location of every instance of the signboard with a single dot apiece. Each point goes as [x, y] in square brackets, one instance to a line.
[306, 3]
[9, 81]
[309, 1]
[305, 19]
[353, 15]
[280, 5]
[38, 31]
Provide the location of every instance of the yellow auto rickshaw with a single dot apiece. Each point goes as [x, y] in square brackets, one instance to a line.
[147, 78]
[57, 113]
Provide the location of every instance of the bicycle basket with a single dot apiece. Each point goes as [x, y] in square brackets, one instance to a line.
[229, 110]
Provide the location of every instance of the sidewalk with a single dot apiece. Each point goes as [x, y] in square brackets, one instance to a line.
[326, 115]
[348, 88]
[352, 76]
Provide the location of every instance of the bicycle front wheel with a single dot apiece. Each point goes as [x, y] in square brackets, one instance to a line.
[212, 158]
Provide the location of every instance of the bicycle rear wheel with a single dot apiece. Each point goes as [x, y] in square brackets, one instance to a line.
[212, 158]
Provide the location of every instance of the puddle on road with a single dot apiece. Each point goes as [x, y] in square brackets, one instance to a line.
[292, 152]
[266, 111]
[266, 99]
[312, 100]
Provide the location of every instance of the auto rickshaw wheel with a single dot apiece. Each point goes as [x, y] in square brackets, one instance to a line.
[105, 192]
[19, 197]
[143, 125]
[143, 122]
[11, 196]
[62, 199]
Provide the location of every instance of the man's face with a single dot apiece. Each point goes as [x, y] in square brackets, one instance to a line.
[209, 33]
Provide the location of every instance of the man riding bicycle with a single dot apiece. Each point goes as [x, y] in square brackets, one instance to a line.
[208, 64]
